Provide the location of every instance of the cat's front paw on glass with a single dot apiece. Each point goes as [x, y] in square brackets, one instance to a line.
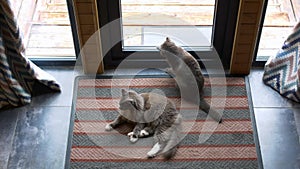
[132, 138]
[108, 127]
[168, 70]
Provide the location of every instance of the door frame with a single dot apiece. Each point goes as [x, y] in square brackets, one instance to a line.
[263, 16]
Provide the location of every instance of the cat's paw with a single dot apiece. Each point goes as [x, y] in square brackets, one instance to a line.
[151, 154]
[154, 151]
[132, 137]
[108, 127]
[143, 133]
[168, 70]
[130, 134]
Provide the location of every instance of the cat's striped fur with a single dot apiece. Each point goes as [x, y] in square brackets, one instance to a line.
[181, 64]
[153, 114]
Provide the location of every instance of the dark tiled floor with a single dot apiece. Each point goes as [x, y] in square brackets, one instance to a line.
[35, 136]
[278, 125]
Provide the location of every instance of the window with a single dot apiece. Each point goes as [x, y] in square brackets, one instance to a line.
[201, 26]
[147, 23]
[46, 29]
[280, 16]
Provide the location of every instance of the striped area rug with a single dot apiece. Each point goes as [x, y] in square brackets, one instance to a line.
[232, 144]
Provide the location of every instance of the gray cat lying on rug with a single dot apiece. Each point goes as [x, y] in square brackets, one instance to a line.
[153, 114]
[181, 64]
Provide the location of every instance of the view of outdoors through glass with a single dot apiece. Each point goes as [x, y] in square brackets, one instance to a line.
[281, 17]
[46, 28]
[147, 23]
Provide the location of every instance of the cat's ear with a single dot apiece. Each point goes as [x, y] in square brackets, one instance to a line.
[124, 92]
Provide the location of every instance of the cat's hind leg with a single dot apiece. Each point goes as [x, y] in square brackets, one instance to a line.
[155, 150]
[161, 136]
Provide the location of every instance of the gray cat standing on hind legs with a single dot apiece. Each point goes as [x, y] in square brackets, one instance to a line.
[181, 64]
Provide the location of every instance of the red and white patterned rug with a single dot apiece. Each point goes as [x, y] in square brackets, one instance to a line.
[232, 144]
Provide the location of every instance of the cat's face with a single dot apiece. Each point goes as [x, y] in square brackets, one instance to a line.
[131, 104]
[128, 100]
[168, 48]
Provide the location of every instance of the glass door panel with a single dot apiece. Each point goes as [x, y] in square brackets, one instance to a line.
[205, 28]
[280, 18]
[147, 23]
[46, 29]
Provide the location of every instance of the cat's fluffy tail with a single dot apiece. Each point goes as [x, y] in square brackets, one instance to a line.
[210, 111]
[170, 149]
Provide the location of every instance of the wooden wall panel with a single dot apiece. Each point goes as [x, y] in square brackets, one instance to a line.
[249, 16]
[86, 14]
[84, 8]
